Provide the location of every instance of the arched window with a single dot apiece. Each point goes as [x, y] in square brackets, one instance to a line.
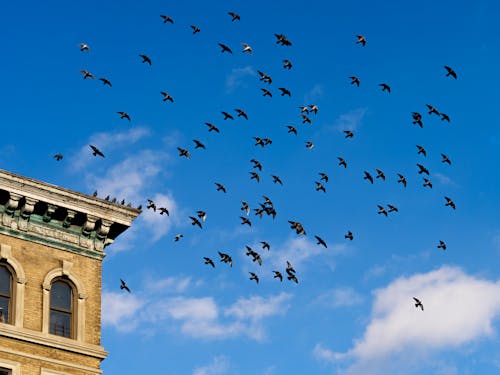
[5, 294]
[61, 308]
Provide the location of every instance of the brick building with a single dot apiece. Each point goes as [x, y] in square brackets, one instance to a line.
[52, 244]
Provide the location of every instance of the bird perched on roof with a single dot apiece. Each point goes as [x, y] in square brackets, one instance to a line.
[450, 72]
[418, 303]
[385, 87]
[342, 162]
[368, 177]
[287, 64]
[124, 286]
[84, 47]
[361, 40]
[445, 159]
[380, 174]
[195, 221]
[209, 262]
[105, 81]
[253, 276]
[167, 96]
[421, 150]
[427, 182]
[278, 275]
[234, 16]
[212, 127]
[381, 210]
[224, 48]
[184, 152]
[422, 169]
[96, 151]
[348, 134]
[166, 18]
[86, 74]
[94, 194]
[349, 235]
[195, 29]
[284, 91]
[225, 258]
[198, 144]
[241, 113]
[355, 80]
[247, 48]
[402, 179]
[145, 59]
[58, 156]
[320, 241]
[441, 245]
[449, 202]
[124, 115]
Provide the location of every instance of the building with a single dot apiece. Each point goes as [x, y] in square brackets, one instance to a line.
[52, 243]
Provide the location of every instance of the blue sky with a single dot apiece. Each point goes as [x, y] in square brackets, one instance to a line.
[352, 310]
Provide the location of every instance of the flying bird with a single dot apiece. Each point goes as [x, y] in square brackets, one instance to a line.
[253, 276]
[84, 47]
[422, 169]
[287, 64]
[441, 245]
[198, 144]
[224, 48]
[178, 237]
[96, 151]
[381, 210]
[349, 235]
[385, 87]
[145, 59]
[320, 241]
[355, 80]
[220, 187]
[195, 29]
[164, 211]
[167, 96]
[291, 129]
[209, 262]
[392, 208]
[124, 286]
[276, 179]
[245, 221]
[368, 177]
[450, 72]
[293, 278]
[418, 303]
[361, 40]
[256, 164]
[421, 150]
[58, 156]
[417, 119]
[278, 275]
[245, 207]
[264, 77]
[348, 134]
[234, 16]
[86, 74]
[282, 40]
[255, 176]
[445, 117]
[299, 229]
[227, 116]
[309, 145]
[306, 119]
[450, 203]
[427, 182]
[195, 221]
[183, 152]
[225, 258]
[320, 186]
[266, 92]
[289, 268]
[380, 174]
[151, 205]
[304, 109]
[124, 115]
[432, 110]
[265, 245]
[166, 18]
[284, 91]
[212, 127]
[342, 162]
[402, 179]
[445, 159]
[241, 113]
[247, 48]
[105, 81]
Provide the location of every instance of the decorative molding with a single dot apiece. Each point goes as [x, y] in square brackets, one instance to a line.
[14, 367]
[20, 281]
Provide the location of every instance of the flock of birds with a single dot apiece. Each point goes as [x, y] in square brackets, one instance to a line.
[267, 206]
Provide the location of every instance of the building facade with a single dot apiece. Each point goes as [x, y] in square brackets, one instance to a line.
[52, 243]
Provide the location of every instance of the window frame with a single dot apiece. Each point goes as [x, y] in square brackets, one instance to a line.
[73, 310]
[12, 290]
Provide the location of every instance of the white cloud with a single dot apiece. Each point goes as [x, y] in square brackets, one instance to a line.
[160, 225]
[170, 284]
[458, 310]
[350, 120]
[444, 180]
[119, 307]
[220, 365]
[339, 297]
[237, 77]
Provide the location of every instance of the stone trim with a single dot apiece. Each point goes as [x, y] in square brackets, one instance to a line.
[14, 367]
[20, 281]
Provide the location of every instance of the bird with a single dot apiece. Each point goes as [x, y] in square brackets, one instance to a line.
[195, 221]
[178, 237]
[227, 116]
[86, 74]
[266, 92]
[247, 48]
[368, 177]
[304, 109]
[284, 91]
[253, 276]
[245, 207]
[392, 208]
[201, 214]
[245, 221]
[145, 59]
[255, 176]
[124, 115]
[212, 127]
[58, 156]
[450, 203]
[291, 129]
[450, 72]
[342, 162]
[220, 187]
[198, 144]
[445, 117]
[94, 194]
[381, 210]
[225, 258]
[276, 179]
[264, 77]
[380, 174]
[385, 87]
[361, 40]
[195, 29]
[282, 40]
[417, 119]
[256, 164]
[445, 159]
[320, 186]
[432, 110]
[164, 211]
[255, 256]
[287, 64]
[151, 205]
[265, 245]
[309, 145]
[183, 152]
[324, 176]
[348, 134]
[421, 150]
[96, 151]
[306, 119]
[106, 198]
[124, 286]
[422, 169]
[167, 96]
[278, 275]
[314, 108]
[234, 16]
[293, 278]
[84, 47]
[402, 179]
[299, 229]
[355, 80]
[320, 241]
[418, 303]
[105, 81]
[427, 182]
[241, 113]
[441, 245]
[209, 261]
[224, 48]
[289, 268]
[166, 18]
[349, 235]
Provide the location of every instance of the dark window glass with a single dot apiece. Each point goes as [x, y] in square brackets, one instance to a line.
[5, 293]
[61, 309]
[4, 371]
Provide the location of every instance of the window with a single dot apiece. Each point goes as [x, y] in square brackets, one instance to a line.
[61, 308]
[4, 371]
[5, 294]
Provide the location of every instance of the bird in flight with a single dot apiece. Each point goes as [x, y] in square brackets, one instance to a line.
[224, 48]
[284, 91]
[209, 261]
[441, 245]
[380, 174]
[151, 205]
[145, 59]
[247, 48]
[361, 40]
[450, 72]
[255, 176]
[348, 134]
[201, 214]
[299, 229]
[84, 47]
[445, 159]
[96, 151]
[422, 169]
[306, 119]
[276, 179]
[212, 127]
[166, 18]
[445, 117]
[320, 241]
[164, 211]
[124, 115]
[225, 258]
[287, 64]
[392, 208]
[234, 16]
[402, 179]
[381, 210]
[178, 237]
[324, 176]
[195, 221]
[105, 81]
[195, 29]
[124, 286]
[342, 162]
[427, 182]
[58, 156]
[349, 235]
[245, 221]
[355, 80]
[417, 119]
[266, 92]
[432, 110]
[86, 74]
[449, 202]
[198, 144]
[167, 96]
[227, 116]
[421, 150]
[265, 245]
[241, 113]
[282, 40]
[253, 276]
[245, 207]
[418, 303]
[309, 145]
[368, 177]
[291, 129]
[220, 187]
[385, 87]
[183, 152]
[264, 77]
[320, 186]
[278, 275]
